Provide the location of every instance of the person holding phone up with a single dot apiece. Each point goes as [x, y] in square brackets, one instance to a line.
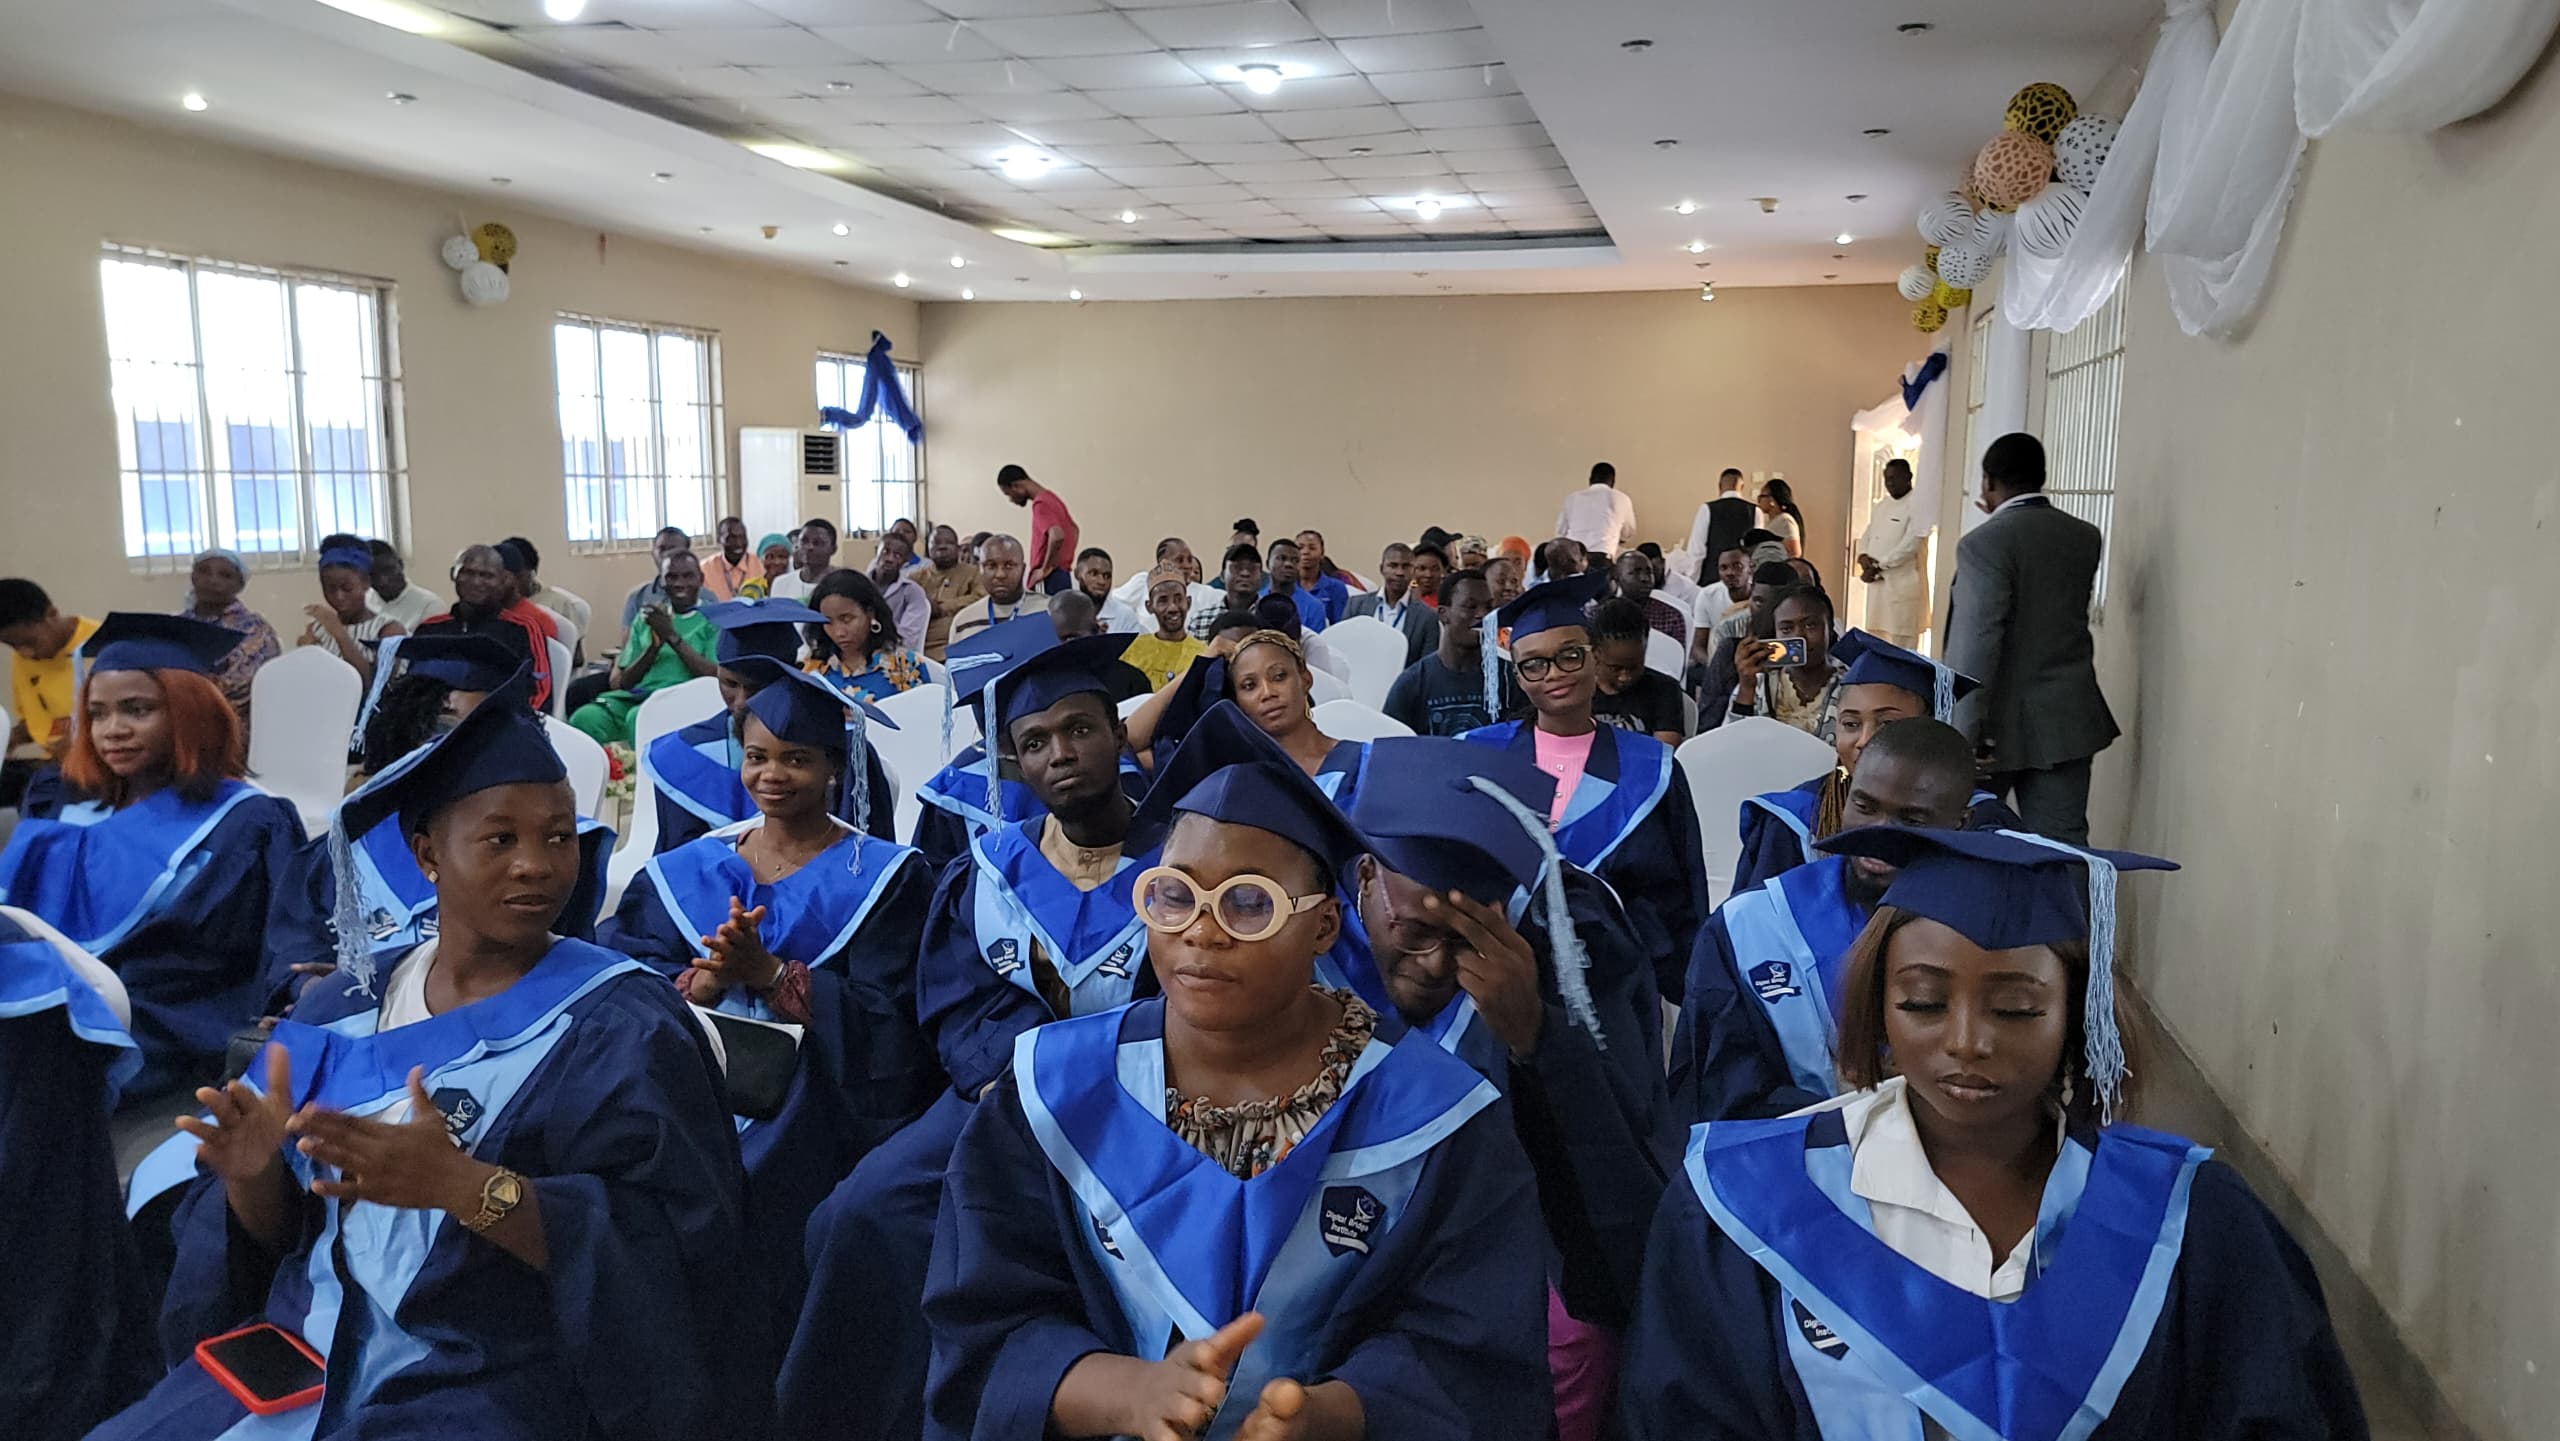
[1790, 676]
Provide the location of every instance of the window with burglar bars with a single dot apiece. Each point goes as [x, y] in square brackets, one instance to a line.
[883, 470]
[2084, 382]
[256, 409]
[642, 441]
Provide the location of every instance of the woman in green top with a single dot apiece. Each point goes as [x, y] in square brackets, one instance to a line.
[671, 644]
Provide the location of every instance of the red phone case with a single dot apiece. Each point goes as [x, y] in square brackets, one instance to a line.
[258, 1406]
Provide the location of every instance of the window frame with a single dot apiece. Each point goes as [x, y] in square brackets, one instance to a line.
[713, 407]
[388, 481]
[2083, 411]
[850, 369]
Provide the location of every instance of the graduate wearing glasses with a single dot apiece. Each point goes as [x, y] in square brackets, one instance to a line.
[1621, 809]
[1963, 1245]
[1238, 1210]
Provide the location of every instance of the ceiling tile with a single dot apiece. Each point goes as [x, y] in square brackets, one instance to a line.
[1489, 162]
[1490, 137]
[1042, 36]
[1148, 177]
[798, 111]
[1008, 9]
[1251, 153]
[1327, 124]
[1387, 17]
[1109, 157]
[1500, 110]
[769, 45]
[1037, 109]
[727, 82]
[1231, 210]
[1335, 147]
[1334, 92]
[657, 14]
[981, 140]
[981, 77]
[1108, 131]
[1193, 197]
[903, 44]
[901, 110]
[1209, 129]
[619, 48]
[1305, 189]
[1159, 101]
[1119, 72]
[1250, 22]
[851, 12]
[1336, 209]
[1547, 181]
[856, 79]
[1303, 61]
[1418, 52]
[1362, 167]
[1466, 82]
[1260, 174]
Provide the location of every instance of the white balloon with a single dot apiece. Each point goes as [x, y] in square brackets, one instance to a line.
[484, 284]
[1962, 267]
[2045, 223]
[1917, 282]
[1947, 221]
[458, 252]
[2081, 149]
[1990, 232]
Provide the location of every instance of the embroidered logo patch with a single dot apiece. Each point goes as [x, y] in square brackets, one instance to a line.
[1102, 1233]
[1817, 1335]
[1118, 964]
[461, 1109]
[1775, 980]
[1351, 1215]
[1006, 956]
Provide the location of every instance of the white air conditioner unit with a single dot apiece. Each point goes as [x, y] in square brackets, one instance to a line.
[788, 476]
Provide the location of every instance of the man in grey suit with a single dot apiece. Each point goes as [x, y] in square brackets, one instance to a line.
[2020, 620]
[1395, 604]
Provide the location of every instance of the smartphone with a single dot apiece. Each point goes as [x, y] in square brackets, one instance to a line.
[267, 1368]
[1790, 652]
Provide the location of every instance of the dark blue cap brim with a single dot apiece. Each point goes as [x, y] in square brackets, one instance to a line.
[1555, 603]
[135, 640]
[1228, 770]
[1426, 820]
[502, 742]
[1999, 890]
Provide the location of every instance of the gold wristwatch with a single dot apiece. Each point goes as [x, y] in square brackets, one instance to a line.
[501, 1193]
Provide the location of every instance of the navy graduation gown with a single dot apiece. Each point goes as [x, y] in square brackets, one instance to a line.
[1400, 1254]
[693, 773]
[1631, 823]
[955, 804]
[2166, 1304]
[75, 1316]
[590, 1078]
[173, 895]
[1590, 1112]
[1761, 1009]
[864, 1067]
[1777, 829]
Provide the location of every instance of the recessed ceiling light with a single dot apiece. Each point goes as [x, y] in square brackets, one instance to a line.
[564, 11]
[401, 97]
[1685, 207]
[1362, 149]
[1075, 295]
[1128, 217]
[967, 294]
[1853, 199]
[958, 260]
[192, 101]
[1831, 277]
[706, 229]
[1916, 27]
[1768, 204]
[1844, 238]
[1261, 79]
[1707, 291]
[841, 228]
[1839, 255]
[1024, 164]
[798, 157]
[1665, 144]
[841, 263]
[840, 86]
[398, 14]
[662, 176]
[1635, 47]
[1875, 132]
[501, 180]
[1697, 247]
[1427, 208]
[1032, 237]
[902, 280]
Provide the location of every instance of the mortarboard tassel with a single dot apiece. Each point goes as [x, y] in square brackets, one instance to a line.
[1942, 698]
[1563, 942]
[1489, 658]
[857, 776]
[346, 912]
[2104, 1041]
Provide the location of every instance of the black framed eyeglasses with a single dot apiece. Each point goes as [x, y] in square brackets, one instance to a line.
[1569, 660]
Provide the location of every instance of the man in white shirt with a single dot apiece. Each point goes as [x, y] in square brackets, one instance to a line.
[394, 598]
[1720, 522]
[1001, 567]
[1892, 558]
[1599, 516]
[1395, 603]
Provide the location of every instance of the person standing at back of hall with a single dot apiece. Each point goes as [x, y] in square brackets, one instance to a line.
[1893, 557]
[1720, 523]
[2019, 620]
[1050, 558]
[1599, 516]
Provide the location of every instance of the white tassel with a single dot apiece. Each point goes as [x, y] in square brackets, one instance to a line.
[857, 776]
[346, 913]
[1564, 943]
[1942, 698]
[2103, 1041]
[1489, 660]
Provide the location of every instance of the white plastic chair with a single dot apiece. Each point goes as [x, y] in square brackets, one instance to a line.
[568, 630]
[1664, 654]
[1324, 685]
[1321, 656]
[1130, 706]
[303, 706]
[660, 711]
[585, 760]
[1374, 651]
[561, 672]
[1353, 720]
[913, 752]
[1731, 764]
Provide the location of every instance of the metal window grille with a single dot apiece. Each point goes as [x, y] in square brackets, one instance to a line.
[883, 470]
[642, 435]
[2084, 384]
[256, 408]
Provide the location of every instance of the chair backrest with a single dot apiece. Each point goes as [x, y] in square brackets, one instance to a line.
[1731, 764]
[661, 711]
[302, 706]
[913, 752]
[1322, 656]
[569, 633]
[1374, 651]
[1664, 654]
[561, 670]
[1130, 706]
[1324, 685]
[585, 760]
[1354, 720]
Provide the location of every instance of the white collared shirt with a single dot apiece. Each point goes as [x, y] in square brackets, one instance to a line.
[1601, 517]
[2015, 501]
[1914, 1211]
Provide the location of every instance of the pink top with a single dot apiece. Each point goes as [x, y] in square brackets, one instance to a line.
[1047, 511]
[1564, 757]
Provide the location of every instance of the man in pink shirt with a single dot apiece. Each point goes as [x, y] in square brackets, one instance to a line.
[1050, 555]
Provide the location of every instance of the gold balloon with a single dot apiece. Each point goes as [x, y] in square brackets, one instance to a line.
[2041, 110]
[496, 242]
[1950, 297]
[1928, 317]
[1929, 257]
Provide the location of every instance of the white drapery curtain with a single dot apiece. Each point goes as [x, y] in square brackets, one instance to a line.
[2229, 150]
[2412, 65]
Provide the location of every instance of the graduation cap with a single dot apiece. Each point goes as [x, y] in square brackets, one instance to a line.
[2003, 890]
[134, 640]
[1881, 662]
[1228, 770]
[767, 628]
[1541, 607]
[1457, 816]
[501, 743]
[807, 710]
[976, 663]
[474, 663]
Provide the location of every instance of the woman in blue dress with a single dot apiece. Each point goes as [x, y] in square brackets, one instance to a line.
[1963, 1245]
[494, 1189]
[164, 870]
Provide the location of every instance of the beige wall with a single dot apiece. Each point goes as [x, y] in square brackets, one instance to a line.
[1371, 419]
[2332, 645]
[483, 432]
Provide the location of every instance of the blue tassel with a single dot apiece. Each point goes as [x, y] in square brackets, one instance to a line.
[995, 787]
[857, 776]
[346, 912]
[1564, 943]
[2104, 1052]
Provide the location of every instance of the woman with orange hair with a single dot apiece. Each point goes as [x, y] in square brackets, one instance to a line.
[162, 869]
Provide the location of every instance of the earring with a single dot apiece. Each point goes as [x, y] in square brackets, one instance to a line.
[431, 878]
[2067, 1089]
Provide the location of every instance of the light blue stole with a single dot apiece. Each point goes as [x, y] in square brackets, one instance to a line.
[699, 775]
[34, 977]
[98, 875]
[1095, 939]
[1790, 934]
[810, 914]
[1627, 775]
